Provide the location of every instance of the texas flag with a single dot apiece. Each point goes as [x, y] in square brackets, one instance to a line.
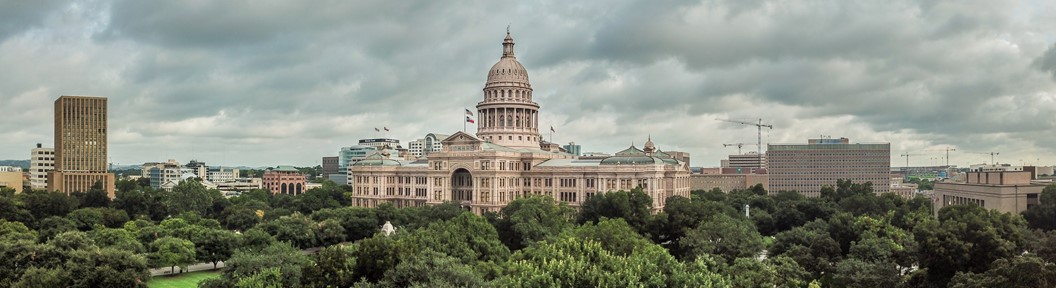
[470, 120]
[470, 113]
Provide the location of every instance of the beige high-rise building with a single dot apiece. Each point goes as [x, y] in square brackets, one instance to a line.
[808, 167]
[80, 145]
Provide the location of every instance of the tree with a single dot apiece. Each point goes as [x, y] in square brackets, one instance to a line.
[722, 236]
[15, 231]
[256, 239]
[749, 272]
[172, 251]
[35, 277]
[858, 273]
[1043, 215]
[358, 222]
[106, 268]
[191, 196]
[296, 229]
[43, 204]
[12, 209]
[375, 256]
[528, 220]
[280, 256]
[119, 239]
[73, 240]
[681, 214]
[142, 201]
[466, 237]
[329, 232]
[635, 207]
[238, 217]
[810, 246]
[967, 238]
[333, 265]
[1019, 271]
[1043, 244]
[53, 225]
[96, 197]
[86, 218]
[432, 269]
[614, 235]
[573, 262]
[214, 245]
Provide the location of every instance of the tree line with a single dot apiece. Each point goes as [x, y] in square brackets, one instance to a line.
[848, 237]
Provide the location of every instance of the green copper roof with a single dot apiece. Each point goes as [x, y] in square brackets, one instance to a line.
[285, 168]
[631, 160]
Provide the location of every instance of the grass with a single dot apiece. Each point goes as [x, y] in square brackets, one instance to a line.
[184, 280]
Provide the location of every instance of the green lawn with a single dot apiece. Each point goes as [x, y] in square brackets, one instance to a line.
[185, 280]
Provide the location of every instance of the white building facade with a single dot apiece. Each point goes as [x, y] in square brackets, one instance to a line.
[41, 161]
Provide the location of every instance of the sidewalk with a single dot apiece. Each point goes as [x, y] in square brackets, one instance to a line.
[193, 268]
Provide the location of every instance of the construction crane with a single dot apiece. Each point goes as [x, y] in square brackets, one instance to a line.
[739, 145]
[907, 160]
[992, 154]
[948, 149]
[759, 136]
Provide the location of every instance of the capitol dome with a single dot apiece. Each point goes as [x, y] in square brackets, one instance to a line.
[508, 70]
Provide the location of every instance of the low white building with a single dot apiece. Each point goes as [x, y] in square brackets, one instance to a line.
[41, 161]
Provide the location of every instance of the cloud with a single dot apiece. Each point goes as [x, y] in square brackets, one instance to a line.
[279, 82]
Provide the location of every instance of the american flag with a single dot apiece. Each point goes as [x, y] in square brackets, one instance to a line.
[470, 113]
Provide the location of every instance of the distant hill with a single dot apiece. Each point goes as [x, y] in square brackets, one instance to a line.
[17, 163]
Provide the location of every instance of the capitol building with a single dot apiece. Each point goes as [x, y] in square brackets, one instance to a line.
[508, 159]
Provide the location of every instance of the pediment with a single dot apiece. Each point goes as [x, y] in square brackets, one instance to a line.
[461, 141]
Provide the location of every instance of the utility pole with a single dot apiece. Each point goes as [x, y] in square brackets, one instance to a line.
[759, 135]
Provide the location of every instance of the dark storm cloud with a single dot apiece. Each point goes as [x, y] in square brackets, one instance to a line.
[1047, 62]
[193, 78]
[17, 16]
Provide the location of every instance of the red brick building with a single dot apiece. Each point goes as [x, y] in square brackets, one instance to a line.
[285, 180]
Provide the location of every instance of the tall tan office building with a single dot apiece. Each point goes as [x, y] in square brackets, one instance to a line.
[808, 167]
[80, 145]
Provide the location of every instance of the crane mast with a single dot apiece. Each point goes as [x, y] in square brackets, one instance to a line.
[759, 135]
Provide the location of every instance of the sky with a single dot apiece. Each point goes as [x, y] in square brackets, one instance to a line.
[265, 83]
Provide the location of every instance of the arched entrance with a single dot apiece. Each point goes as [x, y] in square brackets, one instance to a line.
[462, 186]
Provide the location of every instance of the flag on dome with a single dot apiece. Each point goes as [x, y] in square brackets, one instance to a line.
[470, 120]
[470, 113]
[552, 129]
[376, 129]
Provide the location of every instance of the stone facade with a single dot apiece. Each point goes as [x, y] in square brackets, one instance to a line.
[728, 182]
[1005, 191]
[285, 180]
[507, 159]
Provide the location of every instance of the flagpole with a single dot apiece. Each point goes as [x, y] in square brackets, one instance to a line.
[464, 120]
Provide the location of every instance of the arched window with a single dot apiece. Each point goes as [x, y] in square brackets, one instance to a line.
[283, 188]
